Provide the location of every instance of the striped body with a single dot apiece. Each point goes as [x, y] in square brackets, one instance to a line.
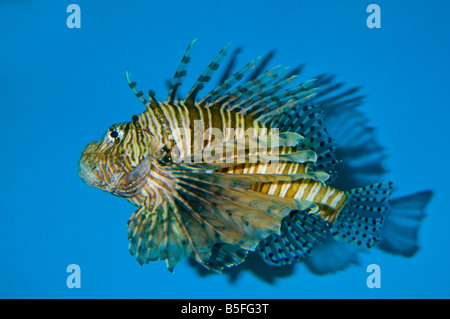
[328, 199]
[246, 168]
[164, 119]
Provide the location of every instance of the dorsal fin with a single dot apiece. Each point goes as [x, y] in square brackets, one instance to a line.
[205, 77]
[152, 97]
[139, 94]
[274, 100]
[180, 74]
[218, 91]
[248, 88]
[133, 85]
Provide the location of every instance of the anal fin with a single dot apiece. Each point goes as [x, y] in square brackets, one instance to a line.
[360, 221]
[299, 231]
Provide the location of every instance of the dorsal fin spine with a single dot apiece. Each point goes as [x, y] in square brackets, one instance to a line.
[180, 73]
[206, 75]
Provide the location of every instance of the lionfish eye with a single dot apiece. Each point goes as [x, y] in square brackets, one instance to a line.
[114, 134]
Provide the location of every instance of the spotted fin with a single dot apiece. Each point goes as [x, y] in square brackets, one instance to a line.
[299, 231]
[360, 220]
[309, 121]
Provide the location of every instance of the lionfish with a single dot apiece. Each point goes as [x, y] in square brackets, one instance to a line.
[248, 167]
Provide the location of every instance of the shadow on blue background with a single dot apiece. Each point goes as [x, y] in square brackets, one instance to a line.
[61, 88]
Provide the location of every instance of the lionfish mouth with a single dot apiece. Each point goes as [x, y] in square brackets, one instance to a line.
[87, 175]
[88, 170]
[93, 175]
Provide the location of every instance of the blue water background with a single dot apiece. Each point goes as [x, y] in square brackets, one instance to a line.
[60, 88]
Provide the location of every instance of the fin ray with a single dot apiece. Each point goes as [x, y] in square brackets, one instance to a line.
[299, 231]
[180, 73]
[205, 77]
[360, 221]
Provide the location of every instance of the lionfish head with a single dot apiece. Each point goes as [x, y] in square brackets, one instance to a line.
[101, 163]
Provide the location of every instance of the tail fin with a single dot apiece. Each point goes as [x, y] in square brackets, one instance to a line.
[402, 224]
[359, 222]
